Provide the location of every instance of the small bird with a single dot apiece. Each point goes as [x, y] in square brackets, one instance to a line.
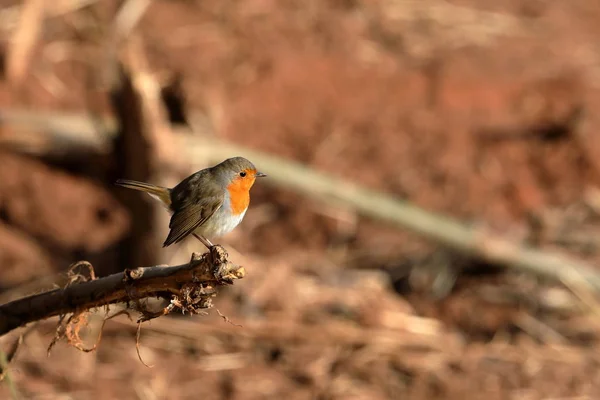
[208, 203]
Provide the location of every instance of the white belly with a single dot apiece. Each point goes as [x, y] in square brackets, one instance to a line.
[212, 229]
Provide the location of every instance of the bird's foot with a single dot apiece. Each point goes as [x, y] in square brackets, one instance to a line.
[218, 254]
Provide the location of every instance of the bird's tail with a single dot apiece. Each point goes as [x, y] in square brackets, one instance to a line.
[158, 192]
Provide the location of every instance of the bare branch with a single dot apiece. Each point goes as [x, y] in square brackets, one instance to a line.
[190, 285]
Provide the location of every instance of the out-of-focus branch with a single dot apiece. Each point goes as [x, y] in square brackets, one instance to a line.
[444, 230]
[55, 134]
[369, 203]
[188, 286]
[24, 40]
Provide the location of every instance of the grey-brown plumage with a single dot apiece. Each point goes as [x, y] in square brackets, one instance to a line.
[202, 204]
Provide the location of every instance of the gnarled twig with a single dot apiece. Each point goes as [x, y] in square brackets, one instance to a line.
[188, 286]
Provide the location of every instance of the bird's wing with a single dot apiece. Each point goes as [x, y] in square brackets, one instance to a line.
[190, 212]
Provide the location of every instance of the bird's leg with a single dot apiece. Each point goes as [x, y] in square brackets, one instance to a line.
[217, 253]
[204, 241]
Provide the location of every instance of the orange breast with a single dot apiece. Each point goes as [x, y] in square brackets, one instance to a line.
[239, 195]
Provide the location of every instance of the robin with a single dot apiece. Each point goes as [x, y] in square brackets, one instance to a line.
[208, 203]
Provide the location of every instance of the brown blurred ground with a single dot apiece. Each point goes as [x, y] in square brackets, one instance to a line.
[481, 110]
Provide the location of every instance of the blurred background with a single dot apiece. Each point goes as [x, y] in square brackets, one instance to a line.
[484, 111]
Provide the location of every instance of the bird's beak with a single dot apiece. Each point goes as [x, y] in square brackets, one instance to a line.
[260, 175]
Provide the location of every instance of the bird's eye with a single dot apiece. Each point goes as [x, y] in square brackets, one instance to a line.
[243, 174]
